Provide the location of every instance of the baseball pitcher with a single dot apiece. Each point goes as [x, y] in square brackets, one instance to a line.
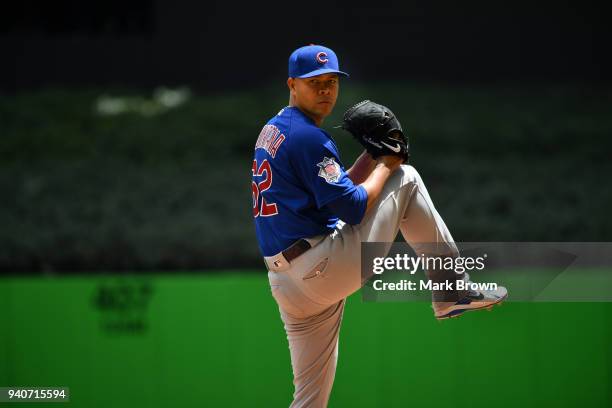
[311, 215]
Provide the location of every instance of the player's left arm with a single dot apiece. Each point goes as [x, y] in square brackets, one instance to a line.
[362, 168]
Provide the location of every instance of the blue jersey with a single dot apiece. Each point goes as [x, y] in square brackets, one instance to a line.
[296, 173]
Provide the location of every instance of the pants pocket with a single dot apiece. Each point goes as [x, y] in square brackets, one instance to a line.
[318, 272]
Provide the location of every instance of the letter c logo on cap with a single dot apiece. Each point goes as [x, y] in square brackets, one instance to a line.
[322, 57]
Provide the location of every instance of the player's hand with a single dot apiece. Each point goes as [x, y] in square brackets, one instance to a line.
[391, 162]
[385, 167]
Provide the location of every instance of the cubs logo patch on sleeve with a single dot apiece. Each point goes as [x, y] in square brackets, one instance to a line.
[329, 170]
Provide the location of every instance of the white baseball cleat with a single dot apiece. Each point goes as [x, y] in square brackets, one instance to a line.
[475, 300]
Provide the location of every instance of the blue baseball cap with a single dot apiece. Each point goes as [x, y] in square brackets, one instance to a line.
[313, 60]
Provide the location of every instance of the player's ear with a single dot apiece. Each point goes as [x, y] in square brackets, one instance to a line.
[291, 84]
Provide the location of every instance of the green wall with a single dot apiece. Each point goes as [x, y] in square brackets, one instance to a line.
[217, 341]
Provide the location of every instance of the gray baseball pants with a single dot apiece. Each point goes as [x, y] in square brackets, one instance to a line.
[311, 290]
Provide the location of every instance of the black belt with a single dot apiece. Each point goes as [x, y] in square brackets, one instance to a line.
[296, 250]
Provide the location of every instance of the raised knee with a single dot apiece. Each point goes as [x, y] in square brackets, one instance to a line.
[409, 174]
[404, 175]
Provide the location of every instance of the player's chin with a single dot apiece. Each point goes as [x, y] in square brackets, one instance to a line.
[325, 108]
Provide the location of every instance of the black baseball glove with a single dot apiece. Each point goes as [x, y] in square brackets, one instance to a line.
[377, 129]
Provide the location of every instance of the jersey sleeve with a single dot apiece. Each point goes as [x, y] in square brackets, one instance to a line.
[351, 208]
[315, 158]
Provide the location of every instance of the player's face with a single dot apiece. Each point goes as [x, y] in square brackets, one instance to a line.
[316, 96]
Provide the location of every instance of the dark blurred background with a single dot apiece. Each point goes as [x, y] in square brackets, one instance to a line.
[222, 46]
[127, 128]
